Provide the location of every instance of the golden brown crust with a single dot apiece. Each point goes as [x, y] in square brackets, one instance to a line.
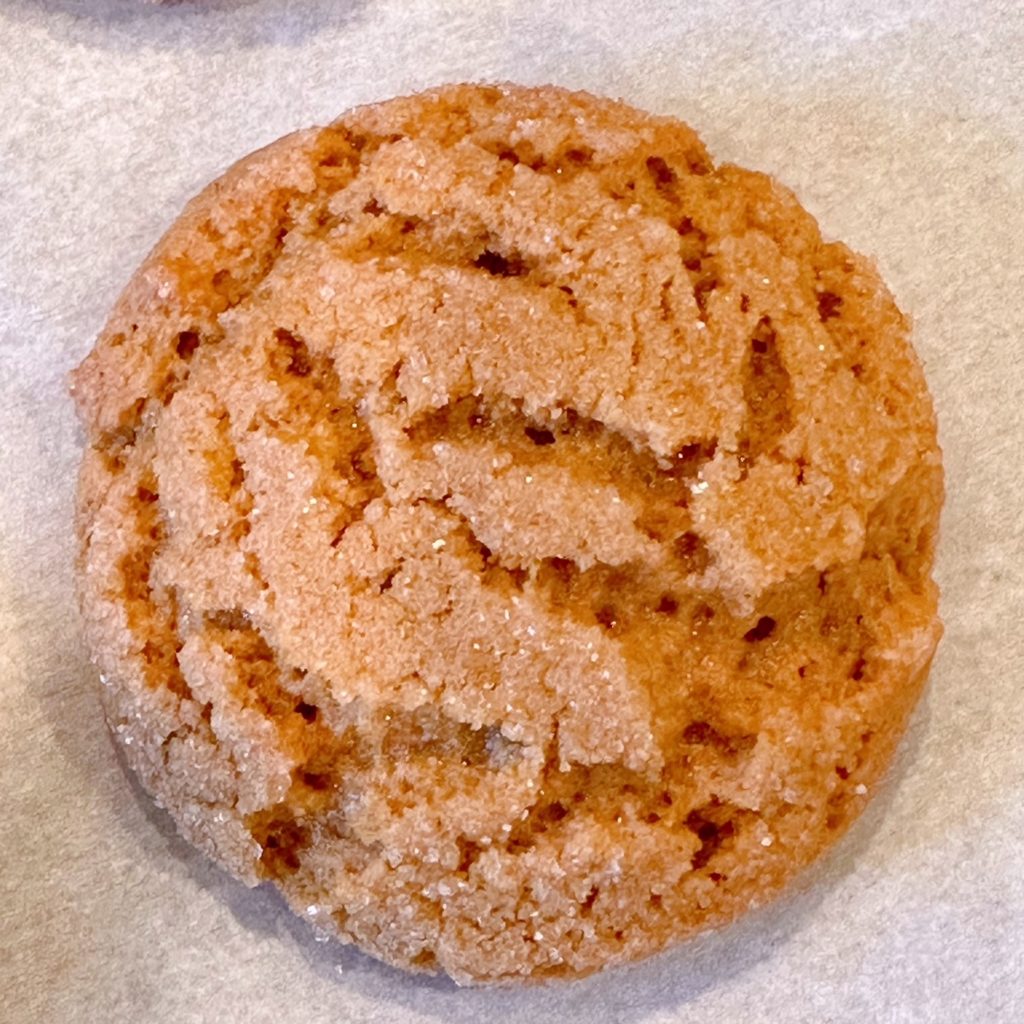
[506, 531]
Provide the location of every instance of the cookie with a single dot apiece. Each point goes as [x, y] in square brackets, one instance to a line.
[506, 531]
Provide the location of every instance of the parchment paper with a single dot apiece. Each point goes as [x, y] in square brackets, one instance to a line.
[899, 125]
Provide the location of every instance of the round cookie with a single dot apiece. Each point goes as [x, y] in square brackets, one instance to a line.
[506, 531]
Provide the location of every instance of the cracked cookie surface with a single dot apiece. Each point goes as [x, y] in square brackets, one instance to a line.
[506, 531]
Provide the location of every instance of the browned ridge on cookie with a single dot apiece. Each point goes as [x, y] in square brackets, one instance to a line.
[506, 531]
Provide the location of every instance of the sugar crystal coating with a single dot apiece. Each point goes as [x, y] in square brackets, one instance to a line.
[506, 531]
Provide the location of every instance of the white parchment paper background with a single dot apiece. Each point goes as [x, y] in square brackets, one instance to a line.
[901, 127]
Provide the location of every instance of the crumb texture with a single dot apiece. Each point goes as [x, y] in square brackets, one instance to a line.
[506, 531]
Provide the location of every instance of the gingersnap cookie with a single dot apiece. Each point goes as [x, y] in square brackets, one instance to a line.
[506, 531]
